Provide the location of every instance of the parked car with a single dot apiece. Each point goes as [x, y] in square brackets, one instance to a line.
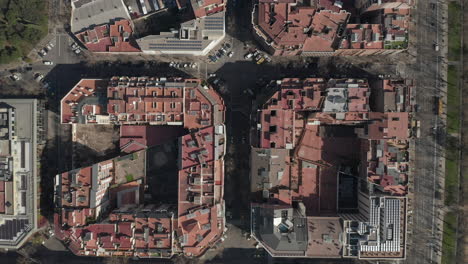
[261, 60]
[48, 62]
[38, 77]
[248, 56]
[16, 76]
[230, 54]
[51, 43]
[78, 51]
[213, 58]
[49, 47]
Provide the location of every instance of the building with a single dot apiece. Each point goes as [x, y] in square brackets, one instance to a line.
[322, 28]
[151, 111]
[382, 236]
[321, 159]
[144, 8]
[112, 37]
[195, 37]
[106, 26]
[18, 171]
[90, 13]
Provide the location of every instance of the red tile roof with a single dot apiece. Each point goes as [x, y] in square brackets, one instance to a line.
[115, 37]
[195, 108]
[208, 7]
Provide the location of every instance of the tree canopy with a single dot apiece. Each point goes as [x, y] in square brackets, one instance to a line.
[22, 24]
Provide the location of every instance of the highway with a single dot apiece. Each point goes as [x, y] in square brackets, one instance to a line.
[428, 156]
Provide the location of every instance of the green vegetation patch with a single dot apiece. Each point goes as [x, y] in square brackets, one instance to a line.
[451, 177]
[396, 44]
[453, 100]
[453, 126]
[450, 238]
[454, 33]
[129, 177]
[23, 23]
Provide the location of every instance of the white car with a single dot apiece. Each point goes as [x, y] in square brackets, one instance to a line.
[49, 47]
[78, 51]
[171, 64]
[39, 77]
[230, 54]
[16, 76]
[248, 56]
[48, 62]
[51, 43]
[193, 65]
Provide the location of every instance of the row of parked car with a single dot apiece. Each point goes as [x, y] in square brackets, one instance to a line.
[48, 47]
[192, 65]
[225, 50]
[257, 56]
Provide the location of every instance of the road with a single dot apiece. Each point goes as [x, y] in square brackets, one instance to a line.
[429, 164]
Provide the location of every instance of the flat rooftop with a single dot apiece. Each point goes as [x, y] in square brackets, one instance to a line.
[87, 13]
[18, 177]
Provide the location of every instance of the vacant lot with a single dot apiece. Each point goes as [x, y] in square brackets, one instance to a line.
[94, 143]
[130, 167]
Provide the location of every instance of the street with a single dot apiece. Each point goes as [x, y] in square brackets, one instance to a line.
[425, 221]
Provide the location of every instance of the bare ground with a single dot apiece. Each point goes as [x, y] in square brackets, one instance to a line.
[94, 143]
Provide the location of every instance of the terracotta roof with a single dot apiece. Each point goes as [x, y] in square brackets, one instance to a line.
[116, 37]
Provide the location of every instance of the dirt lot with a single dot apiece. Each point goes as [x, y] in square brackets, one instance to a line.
[130, 167]
[94, 143]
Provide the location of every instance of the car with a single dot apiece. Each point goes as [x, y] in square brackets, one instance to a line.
[185, 65]
[248, 56]
[49, 47]
[219, 55]
[212, 75]
[227, 45]
[259, 56]
[51, 43]
[256, 53]
[16, 76]
[261, 60]
[268, 59]
[78, 51]
[230, 54]
[38, 77]
[48, 62]
[43, 52]
[213, 58]
[222, 51]
[171, 64]
[436, 47]
[193, 65]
